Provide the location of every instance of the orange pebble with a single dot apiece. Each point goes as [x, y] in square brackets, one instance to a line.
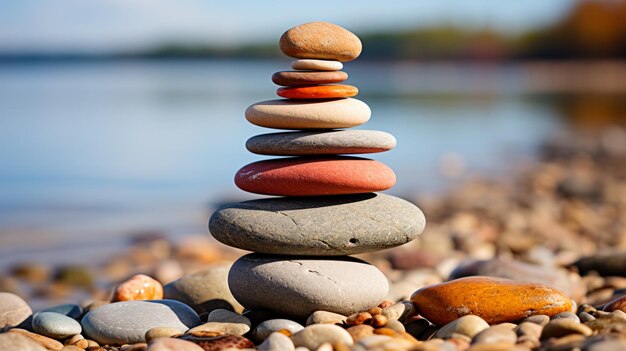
[139, 287]
[318, 92]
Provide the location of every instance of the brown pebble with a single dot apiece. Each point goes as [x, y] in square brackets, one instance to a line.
[540, 319]
[83, 344]
[616, 304]
[385, 304]
[320, 40]
[304, 78]
[375, 310]
[359, 332]
[561, 327]
[220, 342]
[359, 318]
[44, 341]
[379, 321]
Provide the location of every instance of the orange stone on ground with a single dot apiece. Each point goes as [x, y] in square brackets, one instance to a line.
[495, 300]
[139, 287]
[318, 92]
[301, 176]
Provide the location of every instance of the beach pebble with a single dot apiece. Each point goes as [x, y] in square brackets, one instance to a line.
[222, 328]
[560, 327]
[276, 342]
[46, 342]
[321, 143]
[618, 304]
[17, 342]
[226, 316]
[127, 322]
[13, 310]
[316, 65]
[303, 176]
[539, 319]
[468, 325]
[496, 300]
[399, 311]
[334, 91]
[496, 334]
[320, 40]
[352, 224]
[298, 79]
[566, 315]
[605, 264]
[395, 325]
[171, 344]
[301, 114]
[205, 290]
[359, 332]
[529, 329]
[317, 334]
[55, 325]
[69, 309]
[160, 332]
[325, 317]
[298, 286]
[265, 328]
[138, 287]
[210, 341]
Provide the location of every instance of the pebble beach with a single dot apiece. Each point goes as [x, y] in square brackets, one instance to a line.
[536, 262]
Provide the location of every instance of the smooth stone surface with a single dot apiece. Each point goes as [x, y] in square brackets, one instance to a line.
[226, 316]
[160, 332]
[496, 300]
[317, 334]
[298, 286]
[304, 176]
[171, 344]
[468, 325]
[496, 334]
[205, 290]
[13, 310]
[138, 287]
[318, 92]
[616, 304]
[266, 328]
[320, 40]
[17, 342]
[605, 264]
[351, 224]
[399, 310]
[276, 342]
[46, 342]
[517, 270]
[302, 114]
[560, 327]
[55, 325]
[69, 309]
[321, 143]
[325, 317]
[316, 65]
[127, 322]
[302, 78]
[222, 327]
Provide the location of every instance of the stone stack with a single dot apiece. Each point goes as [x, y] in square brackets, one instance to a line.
[328, 207]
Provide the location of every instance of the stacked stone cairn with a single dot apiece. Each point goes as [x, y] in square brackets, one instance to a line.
[326, 206]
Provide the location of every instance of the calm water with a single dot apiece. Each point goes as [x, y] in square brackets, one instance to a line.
[92, 151]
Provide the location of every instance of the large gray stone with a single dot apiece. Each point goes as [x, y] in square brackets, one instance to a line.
[298, 286]
[321, 143]
[13, 310]
[204, 291]
[325, 225]
[55, 325]
[127, 322]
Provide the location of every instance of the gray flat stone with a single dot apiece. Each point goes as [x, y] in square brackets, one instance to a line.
[204, 291]
[55, 325]
[321, 143]
[325, 226]
[13, 310]
[127, 322]
[298, 286]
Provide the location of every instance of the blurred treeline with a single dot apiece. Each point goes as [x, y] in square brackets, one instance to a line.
[591, 29]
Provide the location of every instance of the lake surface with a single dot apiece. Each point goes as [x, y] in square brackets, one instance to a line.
[92, 151]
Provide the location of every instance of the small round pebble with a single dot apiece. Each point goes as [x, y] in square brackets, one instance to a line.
[161, 332]
[55, 325]
[316, 65]
[138, 287]
[561, 327]
[222, 328]
[171, 344]
[496, 334]
[276, 342]
[320, 40]
[325, 317]
[540, 319]
[315, 335]
[265, 328]
[469, 325]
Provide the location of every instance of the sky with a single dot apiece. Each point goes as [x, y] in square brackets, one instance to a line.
[126, 25]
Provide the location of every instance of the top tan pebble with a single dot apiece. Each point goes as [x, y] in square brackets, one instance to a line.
[316, 65]
[320, 40]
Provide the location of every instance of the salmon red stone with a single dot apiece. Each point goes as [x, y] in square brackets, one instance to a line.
[300, 176]
[318, 92]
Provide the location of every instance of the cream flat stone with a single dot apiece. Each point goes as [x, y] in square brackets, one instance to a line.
[316, 65]
[299, 114]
